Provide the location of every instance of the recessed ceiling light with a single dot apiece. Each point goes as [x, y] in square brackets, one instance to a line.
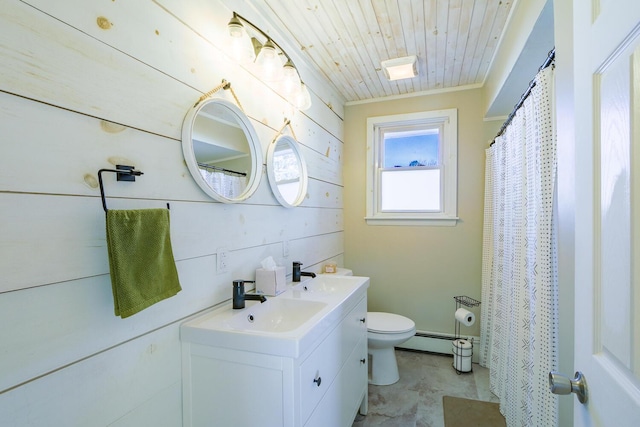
[400, 68]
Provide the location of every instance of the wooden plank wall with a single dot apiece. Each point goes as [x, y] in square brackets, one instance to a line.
[454, 40]
[87, 84]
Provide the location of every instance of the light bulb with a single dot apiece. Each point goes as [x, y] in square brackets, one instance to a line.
[269, 62]
[240, 44]
[290, 81]
[236, 29]
[303, 99]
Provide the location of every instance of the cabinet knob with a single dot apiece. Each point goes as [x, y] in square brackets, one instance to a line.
[363, 361]
[318, 381]
[363, 320]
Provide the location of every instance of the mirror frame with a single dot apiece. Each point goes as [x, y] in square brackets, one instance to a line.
[304, 177]
[255, 150]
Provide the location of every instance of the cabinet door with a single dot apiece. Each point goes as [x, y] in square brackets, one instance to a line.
[226, 393]
[319, 370]
[341, 402]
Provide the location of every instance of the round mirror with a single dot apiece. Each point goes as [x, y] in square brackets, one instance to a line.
[287, 171]
[222, 150]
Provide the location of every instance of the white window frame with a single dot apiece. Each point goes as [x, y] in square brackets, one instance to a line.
[447, 216]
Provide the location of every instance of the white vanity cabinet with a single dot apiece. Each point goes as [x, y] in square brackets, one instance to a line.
[342, 356]
[325, 385]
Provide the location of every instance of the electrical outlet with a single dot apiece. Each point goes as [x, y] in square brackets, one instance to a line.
[222, 260]
[285, 248]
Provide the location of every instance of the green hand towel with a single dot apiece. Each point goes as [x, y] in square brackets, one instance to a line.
[143, 271]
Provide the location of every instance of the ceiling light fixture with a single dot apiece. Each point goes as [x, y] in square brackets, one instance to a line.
[400, 68]
[267, 56]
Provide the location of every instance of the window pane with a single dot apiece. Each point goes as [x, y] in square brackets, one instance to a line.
[285, 164]
[410, 190]
[412, 148]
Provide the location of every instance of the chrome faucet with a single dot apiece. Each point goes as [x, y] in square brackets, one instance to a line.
[297, 273]
[239, 297]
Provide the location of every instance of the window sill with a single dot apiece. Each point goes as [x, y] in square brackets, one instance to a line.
[406, 221]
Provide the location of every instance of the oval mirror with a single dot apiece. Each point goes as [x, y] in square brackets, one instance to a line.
[222, 150]
[287, 171]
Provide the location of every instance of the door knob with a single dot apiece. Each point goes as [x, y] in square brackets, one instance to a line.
[562, 384]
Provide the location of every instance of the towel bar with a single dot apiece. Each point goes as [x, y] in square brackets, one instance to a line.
[124, 173]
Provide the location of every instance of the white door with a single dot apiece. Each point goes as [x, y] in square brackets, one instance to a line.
[607, 258]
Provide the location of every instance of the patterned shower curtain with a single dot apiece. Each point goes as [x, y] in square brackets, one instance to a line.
[228, 185]
[519, 330]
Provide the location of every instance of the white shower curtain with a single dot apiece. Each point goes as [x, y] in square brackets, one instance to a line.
[519, 270]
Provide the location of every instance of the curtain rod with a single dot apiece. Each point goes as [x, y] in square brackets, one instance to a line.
[551, 56]
[217, 168]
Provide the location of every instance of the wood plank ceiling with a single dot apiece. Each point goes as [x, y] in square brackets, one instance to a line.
[346, 40]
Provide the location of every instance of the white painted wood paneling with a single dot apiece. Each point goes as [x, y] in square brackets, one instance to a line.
[78, 224]
[51, 150]
[103, 389]
[454, 40]
[47, 60]
[86, 85]
[103, 144]
[52, 326]
[148, 414]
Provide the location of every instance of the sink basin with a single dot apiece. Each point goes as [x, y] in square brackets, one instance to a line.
[276, 315]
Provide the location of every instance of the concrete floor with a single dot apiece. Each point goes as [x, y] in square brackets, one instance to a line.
[416, 400]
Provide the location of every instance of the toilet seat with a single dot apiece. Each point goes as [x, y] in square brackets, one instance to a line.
[388, 323]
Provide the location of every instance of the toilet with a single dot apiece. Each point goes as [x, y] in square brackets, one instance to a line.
[384, 332]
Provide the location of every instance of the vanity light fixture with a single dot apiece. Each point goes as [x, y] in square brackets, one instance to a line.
[400, 68]
[268, 56]
[236, 29]
[291, 79]
[303, 98]
[242, 48]
[268, 60]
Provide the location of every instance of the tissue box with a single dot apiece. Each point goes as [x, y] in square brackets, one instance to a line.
[271, 282]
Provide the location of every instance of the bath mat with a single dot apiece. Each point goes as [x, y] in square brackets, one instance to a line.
[459, 412]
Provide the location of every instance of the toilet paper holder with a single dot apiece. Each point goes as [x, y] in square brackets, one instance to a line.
[462, 300]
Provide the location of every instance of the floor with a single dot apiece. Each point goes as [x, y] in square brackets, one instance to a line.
[416, 400]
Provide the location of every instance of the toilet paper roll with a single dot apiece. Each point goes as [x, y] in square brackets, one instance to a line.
[462, 347]
[462, 352]
[465, 317]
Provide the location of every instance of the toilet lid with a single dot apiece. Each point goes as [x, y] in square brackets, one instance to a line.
[388, 323]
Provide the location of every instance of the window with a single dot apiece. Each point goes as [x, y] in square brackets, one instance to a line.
[412, 173]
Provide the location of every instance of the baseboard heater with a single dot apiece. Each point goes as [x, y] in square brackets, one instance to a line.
[436, 342]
